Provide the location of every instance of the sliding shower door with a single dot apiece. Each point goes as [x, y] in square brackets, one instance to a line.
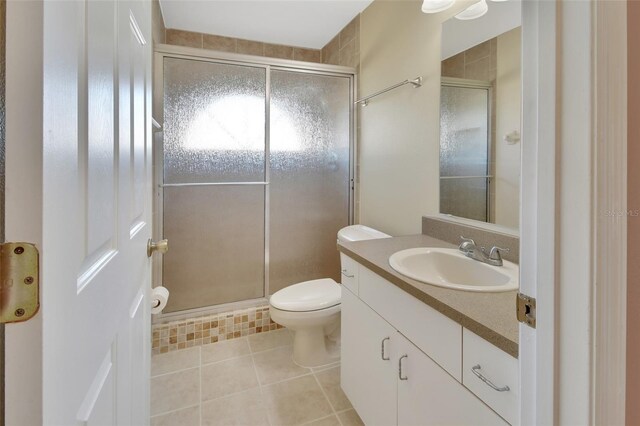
[256, 178]
[214, 191]
[465, 179]
[309, 182]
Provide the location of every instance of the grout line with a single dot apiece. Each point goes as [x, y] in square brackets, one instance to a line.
[255, 370]
[225, 360]
[182, 370]
[333, 410]
[164, 413]
[229, 395]
[286, 380]
[321, 418]
[272, 349]
[200, 393]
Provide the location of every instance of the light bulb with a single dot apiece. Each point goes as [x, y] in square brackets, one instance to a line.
[474, 11]
[435, 6]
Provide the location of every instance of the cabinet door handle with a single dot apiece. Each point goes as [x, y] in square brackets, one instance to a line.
[400, 368]
[382, 349]
[476, 370]
[344, 272]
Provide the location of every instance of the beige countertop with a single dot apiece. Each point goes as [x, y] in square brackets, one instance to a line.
[491, 316]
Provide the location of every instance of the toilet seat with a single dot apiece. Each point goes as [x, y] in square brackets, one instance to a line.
[307, 296]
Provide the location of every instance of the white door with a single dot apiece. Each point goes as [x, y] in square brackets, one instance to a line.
[79, 117]
[368, 371]
[428, 395]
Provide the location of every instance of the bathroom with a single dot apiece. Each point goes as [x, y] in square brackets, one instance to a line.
[351, 212]
[252, 228]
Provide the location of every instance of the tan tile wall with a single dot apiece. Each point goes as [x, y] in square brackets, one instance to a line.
[237, 45]
[201, 330]
[478, 63]
[344, 48]
[157, 23]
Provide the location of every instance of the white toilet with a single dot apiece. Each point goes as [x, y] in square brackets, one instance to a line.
[311, 309]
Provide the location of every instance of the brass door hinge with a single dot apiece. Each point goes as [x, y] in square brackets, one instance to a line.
[526, 310]
[19, 282]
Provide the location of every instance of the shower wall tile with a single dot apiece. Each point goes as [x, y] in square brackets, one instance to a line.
[249, 47]
[237, 45]
[203, 329]
[331, 52]
[278, 51]
[183, 38]
[344, 48]
[307, 55]
[220, 43]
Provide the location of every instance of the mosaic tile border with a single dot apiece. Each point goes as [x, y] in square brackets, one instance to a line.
[201, 330]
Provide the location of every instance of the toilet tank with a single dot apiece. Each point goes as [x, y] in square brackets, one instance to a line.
[359, 233]
[349, 267]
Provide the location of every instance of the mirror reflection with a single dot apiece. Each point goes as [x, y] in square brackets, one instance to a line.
[480, 122]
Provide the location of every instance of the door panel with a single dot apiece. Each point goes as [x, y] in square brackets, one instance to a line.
[217, 245]
[430, 396]
[464, 152]
[214, 122]
[309, 175]
[368, 381]
[92, 334]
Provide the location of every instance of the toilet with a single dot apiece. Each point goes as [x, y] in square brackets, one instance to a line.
[311, 309]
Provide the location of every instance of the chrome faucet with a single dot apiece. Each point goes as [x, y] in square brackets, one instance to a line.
[468, 248]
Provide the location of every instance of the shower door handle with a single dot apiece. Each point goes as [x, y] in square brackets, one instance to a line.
[161, 247]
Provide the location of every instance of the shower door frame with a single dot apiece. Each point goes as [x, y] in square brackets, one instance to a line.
[490, 176]
[163, 51]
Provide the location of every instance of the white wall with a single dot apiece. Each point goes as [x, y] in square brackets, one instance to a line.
[399, 131]
[508, 101]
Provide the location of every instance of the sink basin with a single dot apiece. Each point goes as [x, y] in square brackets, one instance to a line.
[450, 268]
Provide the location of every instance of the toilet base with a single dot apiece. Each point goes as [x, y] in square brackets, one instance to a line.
[316, 334]
[311, 348]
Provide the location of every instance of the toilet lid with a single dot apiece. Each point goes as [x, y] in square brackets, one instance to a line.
[307, 296]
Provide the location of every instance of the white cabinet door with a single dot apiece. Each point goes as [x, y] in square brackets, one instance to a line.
[427, 395]
[368, 380]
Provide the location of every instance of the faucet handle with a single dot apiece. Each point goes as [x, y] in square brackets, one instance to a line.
[466, 244]
[496, 252]
[467, 240]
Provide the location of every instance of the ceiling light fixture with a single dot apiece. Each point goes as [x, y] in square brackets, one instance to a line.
[474, 11]
[435, 6]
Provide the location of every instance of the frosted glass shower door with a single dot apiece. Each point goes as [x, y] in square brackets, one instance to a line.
[309, 175]
[214, 190]
[464, 152]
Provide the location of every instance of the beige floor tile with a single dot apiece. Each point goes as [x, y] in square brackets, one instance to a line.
[185, 417]
[350, 418]
[327, 421]
[325, 367]
[225, 349]
[273, 339]
[174, 361]
[295, 401]
[330, 382]
[227, 377]
[243, 409]
[276, 365]
[175, 390]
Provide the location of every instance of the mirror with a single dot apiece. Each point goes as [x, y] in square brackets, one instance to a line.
[480, 125]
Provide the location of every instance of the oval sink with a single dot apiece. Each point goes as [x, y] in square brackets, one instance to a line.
[450, 268]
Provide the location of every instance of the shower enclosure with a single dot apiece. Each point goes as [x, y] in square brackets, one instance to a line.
[254, 176]
[465, 149]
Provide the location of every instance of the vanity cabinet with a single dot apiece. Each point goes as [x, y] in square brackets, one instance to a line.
[403, 362]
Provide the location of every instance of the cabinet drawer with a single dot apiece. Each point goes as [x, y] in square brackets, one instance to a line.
[496, 366]
[349, 273]
[436, 335]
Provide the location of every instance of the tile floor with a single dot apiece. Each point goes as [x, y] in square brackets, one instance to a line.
[250, 381]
